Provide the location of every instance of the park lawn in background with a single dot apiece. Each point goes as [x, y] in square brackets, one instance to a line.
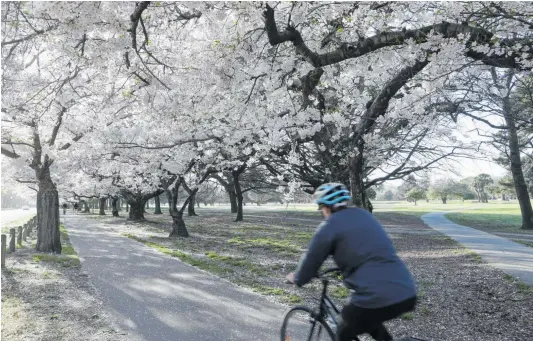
[494, 218]
[19, 222]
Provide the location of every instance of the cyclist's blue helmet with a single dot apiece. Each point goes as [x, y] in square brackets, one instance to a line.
[332, 194]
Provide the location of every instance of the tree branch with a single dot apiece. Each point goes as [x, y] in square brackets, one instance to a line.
[385, 39]
[10, 154]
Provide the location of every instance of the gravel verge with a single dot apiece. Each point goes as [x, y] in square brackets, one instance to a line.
[45, 297]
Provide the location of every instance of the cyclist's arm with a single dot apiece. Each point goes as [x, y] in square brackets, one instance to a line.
[319, 249]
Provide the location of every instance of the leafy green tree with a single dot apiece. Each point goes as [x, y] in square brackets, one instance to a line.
[415, 194]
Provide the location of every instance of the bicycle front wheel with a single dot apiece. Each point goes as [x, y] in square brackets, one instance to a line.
[300, 325]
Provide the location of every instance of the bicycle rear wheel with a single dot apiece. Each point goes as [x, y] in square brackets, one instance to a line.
[300, 325]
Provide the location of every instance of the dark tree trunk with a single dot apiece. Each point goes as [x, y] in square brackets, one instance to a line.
[444, 200]
[86, 208]
[516, 168]
[102, 206]
[238, 191]
[119, 204]
[127, 207]
[136, 210]
[178, 225]
[229, 187]
[190, 209]
[114, 206]
[157, 205]
[357, 188]
[172, 196]
[198, 204]
[106, 206]
[233, 201]
[48, 239]
[147, 204]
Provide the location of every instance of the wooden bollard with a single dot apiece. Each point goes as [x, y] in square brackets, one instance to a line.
[12, 240]
[19, 235]
[28, 229]
[4, 240]
[24, 232]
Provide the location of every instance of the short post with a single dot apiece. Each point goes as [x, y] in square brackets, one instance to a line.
[4, 240]
[19, 235]
[28, 229]
[24, 232]
[11, 240]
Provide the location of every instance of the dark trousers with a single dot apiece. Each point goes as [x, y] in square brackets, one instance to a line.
[357, 320]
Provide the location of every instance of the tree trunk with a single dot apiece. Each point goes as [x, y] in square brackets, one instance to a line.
[516, 168]
[114, 206]
[178, 225]
[172, 196]
[137, 210]
[127, 207]
[233, 201]
[503, 196]
[190, 209]
[48, 239]
[102, 206]
[119, 204]
[86, 208]
[415, 202]
[357, 188]
[238, 193]
[198, 204]
[444, 200]
[157, 205]
[239, 208]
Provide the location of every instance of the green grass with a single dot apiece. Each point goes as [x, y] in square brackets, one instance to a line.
[523, 242]
[18, 222]
[281, 294]
[495, 214]
[340, 292]
[490, 218]
[184, 257]
[268, 243]
[63, 260]
[407, 316]
[68, 256]
[223, 265]
[477, 258]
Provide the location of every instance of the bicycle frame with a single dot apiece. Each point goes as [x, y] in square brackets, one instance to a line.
[327, 305]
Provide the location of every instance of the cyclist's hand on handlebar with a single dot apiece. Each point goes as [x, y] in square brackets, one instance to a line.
[290, 278]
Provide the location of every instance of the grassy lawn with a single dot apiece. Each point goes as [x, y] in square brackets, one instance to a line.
[494, 218]
[18, 222]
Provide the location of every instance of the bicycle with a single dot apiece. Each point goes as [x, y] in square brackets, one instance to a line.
[320, 319]
[324, 319]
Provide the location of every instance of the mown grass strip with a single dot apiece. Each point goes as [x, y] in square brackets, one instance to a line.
[208, 264]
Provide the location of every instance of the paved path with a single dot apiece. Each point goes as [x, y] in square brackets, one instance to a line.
[512, 258]
[155, 297]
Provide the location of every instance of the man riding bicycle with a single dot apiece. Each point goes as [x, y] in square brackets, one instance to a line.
[383, 288]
